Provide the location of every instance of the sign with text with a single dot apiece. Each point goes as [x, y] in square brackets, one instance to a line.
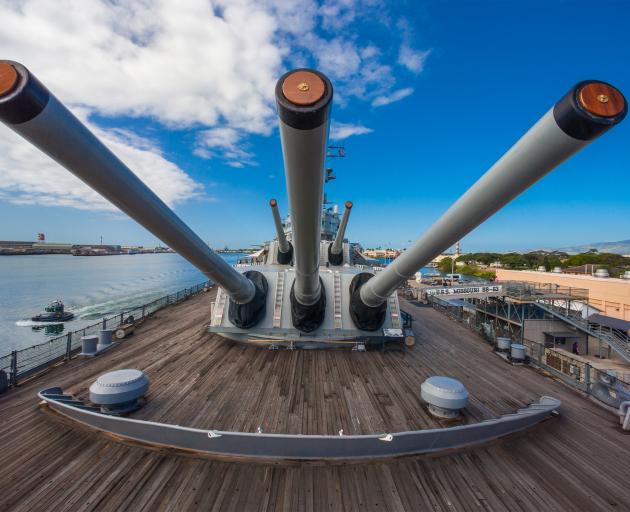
[466, 290]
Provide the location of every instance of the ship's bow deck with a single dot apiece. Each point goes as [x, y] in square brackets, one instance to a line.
[576, 461]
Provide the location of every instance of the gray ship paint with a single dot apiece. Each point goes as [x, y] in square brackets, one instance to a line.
[545, 146]
[337, 245]
[304, 135]
[283, 243]
[305, 447]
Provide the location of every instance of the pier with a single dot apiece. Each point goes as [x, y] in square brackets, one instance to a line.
[22, 248]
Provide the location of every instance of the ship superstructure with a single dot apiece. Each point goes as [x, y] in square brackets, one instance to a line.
[330, 222]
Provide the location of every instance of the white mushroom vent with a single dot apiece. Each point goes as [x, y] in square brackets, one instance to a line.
[445, 396]
[118, 392]
[517, 352]
[503, 344]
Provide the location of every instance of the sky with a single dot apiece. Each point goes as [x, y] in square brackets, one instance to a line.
[428, 95]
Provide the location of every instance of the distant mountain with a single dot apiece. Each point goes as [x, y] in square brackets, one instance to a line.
[621, 247]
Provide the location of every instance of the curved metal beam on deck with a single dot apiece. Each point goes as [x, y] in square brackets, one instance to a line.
[307, 447]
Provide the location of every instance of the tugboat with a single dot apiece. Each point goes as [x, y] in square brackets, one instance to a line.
[54, 313]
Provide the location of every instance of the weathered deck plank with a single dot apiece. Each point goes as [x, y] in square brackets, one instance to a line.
[578, 461]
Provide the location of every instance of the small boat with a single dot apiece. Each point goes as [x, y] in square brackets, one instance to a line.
[54, 313]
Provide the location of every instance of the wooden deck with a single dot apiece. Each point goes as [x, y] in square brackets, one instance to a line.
[578, 461]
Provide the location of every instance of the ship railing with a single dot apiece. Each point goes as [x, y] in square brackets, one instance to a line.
[616, 339]
[243, 264]
[609, 386]
[524, 290]
[577, 371]
[450, 309]
[24, 363]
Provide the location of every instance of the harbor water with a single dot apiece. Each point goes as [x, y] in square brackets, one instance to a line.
[90, 287]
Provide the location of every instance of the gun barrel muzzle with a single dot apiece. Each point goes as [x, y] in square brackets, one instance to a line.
[337, 245]
[588, 110]
[304, 98]
[283, 243]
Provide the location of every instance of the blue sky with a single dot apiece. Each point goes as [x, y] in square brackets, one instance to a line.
[434, 92]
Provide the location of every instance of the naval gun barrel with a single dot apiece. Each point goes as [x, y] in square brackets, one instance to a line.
[285, 249]
[335, 252]
[304, 98]
[30, 110]
[588, 110]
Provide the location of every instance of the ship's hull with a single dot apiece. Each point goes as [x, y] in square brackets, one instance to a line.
[53, 317]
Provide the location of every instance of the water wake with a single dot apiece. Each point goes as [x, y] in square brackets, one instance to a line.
[31, 323]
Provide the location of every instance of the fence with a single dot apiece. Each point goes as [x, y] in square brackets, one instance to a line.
[607, 386]
[20, 364]
[456, 312]
[525, 290]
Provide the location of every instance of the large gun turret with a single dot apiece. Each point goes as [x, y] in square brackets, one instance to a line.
[335, 250]
[30, 110]
[588, 110]
[304, 98]
[285, 249]
[361, 305]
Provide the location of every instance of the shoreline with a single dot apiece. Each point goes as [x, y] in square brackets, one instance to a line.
[96, 252]
[46, 253]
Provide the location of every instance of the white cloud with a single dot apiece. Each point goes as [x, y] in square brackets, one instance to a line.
[178, 62]
[370, 51]
[296, 17]
[340, 131]
[228, 143]
[337, 14]
[412, 59]
[338, 58]
[398, 95]
[194, 64]
[30, 177]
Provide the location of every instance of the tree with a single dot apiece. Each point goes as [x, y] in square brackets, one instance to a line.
[446, 265]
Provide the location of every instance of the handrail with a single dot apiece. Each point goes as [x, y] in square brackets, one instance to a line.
[28, 361]
[620, 345]
[588, 379]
